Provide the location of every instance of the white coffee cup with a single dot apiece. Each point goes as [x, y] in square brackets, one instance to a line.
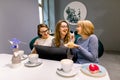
[33, 58]
[66, 65]
[21, 53]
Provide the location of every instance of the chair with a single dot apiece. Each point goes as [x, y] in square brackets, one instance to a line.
[52, 53]
[76, 36]
[32, 42]
[100, 49]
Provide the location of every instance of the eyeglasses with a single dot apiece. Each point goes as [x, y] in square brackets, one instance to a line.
[44, 31]
[64, 26]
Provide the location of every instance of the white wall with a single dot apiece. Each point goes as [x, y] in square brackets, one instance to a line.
[18, 18]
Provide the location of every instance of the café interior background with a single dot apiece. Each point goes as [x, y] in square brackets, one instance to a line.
[19, 18]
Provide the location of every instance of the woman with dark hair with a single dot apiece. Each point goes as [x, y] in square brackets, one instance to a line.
[45, 39]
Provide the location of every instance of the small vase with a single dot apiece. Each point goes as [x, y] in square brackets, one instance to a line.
[16, 59]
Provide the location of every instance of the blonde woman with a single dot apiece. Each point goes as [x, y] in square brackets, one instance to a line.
[86, 47]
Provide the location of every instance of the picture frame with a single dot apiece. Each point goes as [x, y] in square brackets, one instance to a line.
[74, 12]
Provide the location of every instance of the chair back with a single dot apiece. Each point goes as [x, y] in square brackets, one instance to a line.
[100, 49]
[32, 42]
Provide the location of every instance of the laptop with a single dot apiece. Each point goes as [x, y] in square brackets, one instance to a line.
[52, 53]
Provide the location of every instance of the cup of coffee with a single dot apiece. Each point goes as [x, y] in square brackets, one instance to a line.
[33, 58]
[66, 65]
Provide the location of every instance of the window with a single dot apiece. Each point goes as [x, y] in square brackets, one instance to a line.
[40, 11]
[47, 14]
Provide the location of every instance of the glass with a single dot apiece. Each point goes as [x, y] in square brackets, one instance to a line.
[69, 55]
[64, 26]
[44, 31]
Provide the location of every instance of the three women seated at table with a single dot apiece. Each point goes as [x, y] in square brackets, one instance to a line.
[86, 47]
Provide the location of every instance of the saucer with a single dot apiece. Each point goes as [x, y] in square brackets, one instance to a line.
[85, 70]
[29, 64]
[24, 57]
[72, 73]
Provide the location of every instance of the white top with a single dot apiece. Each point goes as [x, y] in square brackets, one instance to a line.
[45, 71]
[44, 42]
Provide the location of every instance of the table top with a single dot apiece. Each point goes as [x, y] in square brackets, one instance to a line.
[46, 71]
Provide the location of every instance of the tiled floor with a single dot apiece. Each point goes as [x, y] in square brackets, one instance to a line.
[111, 61]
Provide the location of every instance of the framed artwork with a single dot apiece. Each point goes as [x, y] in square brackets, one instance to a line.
[74, 12]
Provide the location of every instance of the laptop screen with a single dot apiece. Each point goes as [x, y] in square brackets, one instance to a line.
[54, 53]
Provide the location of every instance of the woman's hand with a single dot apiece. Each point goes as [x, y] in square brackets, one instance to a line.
[71, 45]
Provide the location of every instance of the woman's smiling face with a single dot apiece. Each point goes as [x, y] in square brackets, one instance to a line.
[79, 29]
[44, 32]
[63, 28]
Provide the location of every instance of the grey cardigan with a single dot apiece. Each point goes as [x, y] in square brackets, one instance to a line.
[87, 51]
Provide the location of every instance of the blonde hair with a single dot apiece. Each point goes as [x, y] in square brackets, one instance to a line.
[87, 27]
[57, 34]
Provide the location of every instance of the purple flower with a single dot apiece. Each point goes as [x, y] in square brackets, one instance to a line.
[14, 42]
